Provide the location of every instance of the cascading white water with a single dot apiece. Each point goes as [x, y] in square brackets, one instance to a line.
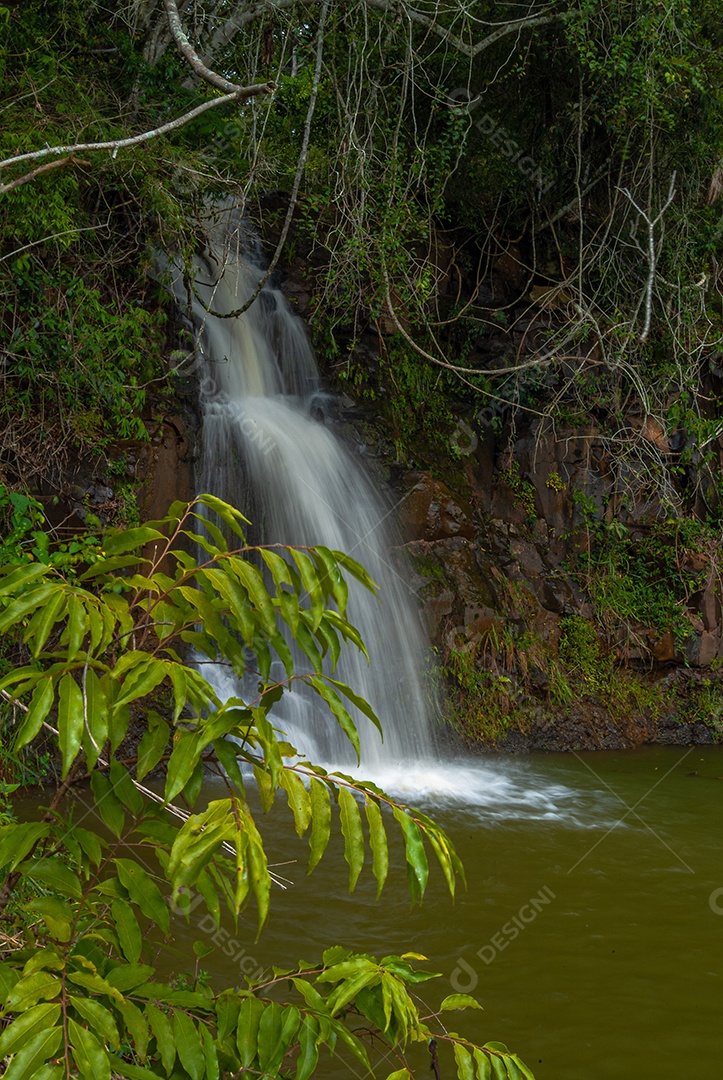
[265, 452]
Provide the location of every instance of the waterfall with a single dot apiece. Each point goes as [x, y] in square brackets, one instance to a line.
[267, 451]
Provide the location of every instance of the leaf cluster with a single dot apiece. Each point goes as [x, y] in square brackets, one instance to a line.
[79, 986]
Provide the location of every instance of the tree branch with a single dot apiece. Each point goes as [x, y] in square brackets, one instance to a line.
[650, 254]
[239, 19]
[20, 180]
[243, 93]
[189, 53]
[456, 42]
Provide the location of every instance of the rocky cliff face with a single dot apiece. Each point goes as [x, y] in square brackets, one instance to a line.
[560, 619]
[565, 607]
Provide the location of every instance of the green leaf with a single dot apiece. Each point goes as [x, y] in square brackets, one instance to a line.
[253, 582]
[77, 626]
[153, 744]
[484, 1069]
[43, 622]
[90, 843]
[96, 730]
[144, 892]
[40, 705]
[136, 1026]
[459, 1001]
[414, 849]
[125, 789]
[17, 841]
[127, 977]
[513, 1072]
[228, 1004]
[465, 1065]
[70, 720]
[277, 1031]
[129, 932]
[188, 1046]
[56, 914]
[356, 570]
[183, 760]
[19, 609]
[247, 1030]
[334, 580]
[131, 1072]
[30, 989]
[309, 1038]
[311, 583]
[227, 754]
[53, 874]
[26, 1064]
[299, 800]
[26, 1026]
[99, 1018]
[320, 821]
[359, 702]
[116, 543]
[95, 983]
[351, 828]
[269, 1036]
[499, 1071]
[15, 579]
[210, 1054]
[90, 1056]
[50, 1072]
[229, 515]
[523, 1069]
[377, 842]
[341, 714]
[143, 677]
[107, 802]
[163, 1034]
[8, 977]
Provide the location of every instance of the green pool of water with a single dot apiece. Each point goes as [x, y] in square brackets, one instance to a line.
[592, 927]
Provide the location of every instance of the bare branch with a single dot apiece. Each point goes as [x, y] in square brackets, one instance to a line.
[20, 180]
[650, 254]
[189, 53]
[227, 31]
[456, 42]
[242, 94]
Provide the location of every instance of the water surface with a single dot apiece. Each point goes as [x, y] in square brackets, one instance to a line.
[614, 973]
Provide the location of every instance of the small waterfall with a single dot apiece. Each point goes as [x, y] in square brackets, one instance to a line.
[266, 451]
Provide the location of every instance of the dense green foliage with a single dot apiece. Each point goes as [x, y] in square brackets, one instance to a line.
[427, 163]
[88, 894]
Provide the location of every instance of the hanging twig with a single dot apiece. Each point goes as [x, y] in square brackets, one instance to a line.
[297, 178]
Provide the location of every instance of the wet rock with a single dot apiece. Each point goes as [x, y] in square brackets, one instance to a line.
[165, 467]
[710, 609]
[663, 648]
[430, 511]
[708, 649]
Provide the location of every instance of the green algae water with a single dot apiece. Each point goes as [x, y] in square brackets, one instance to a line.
[592, 927]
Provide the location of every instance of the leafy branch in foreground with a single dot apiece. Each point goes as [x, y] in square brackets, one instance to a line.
[87, 898]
